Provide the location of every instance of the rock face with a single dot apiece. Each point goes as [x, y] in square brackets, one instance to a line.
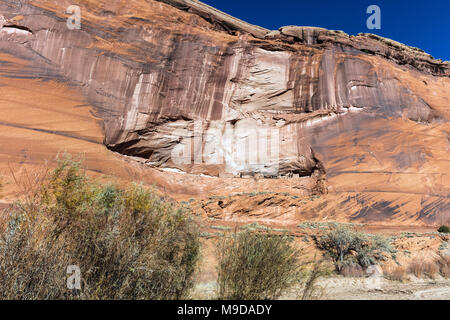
[184, 87]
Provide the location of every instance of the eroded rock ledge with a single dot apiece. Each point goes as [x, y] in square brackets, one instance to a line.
[365, 42]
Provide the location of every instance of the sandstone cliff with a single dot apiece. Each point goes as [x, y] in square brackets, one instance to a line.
[358, 122]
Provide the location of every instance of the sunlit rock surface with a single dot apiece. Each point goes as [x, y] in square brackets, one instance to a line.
[360, 120]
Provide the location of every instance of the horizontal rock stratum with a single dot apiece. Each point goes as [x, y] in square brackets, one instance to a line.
[181, 95]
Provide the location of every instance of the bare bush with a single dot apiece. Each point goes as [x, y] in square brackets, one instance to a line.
[256, 266]
[128, 243]
[347, 247]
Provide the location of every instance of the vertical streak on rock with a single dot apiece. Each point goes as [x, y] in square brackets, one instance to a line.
[326, 82]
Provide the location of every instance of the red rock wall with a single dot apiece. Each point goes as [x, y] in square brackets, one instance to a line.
[360, 111]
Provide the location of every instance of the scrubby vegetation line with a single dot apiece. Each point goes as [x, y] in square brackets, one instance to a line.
[130, 243]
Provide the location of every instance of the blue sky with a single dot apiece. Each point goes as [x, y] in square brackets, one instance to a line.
[422, 24]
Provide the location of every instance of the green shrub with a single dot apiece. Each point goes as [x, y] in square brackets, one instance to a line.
[128, 243]
[444, 229]
[347, 247]
[254, 265]
[223, 228]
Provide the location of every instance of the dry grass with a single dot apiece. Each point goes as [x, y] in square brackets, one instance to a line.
[422, 269]
[397, 273]
[431, 270]
[416, 268]
[310, 289]
[443, 264]
[352, 271]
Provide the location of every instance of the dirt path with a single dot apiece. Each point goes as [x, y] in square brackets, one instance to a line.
[338, 288]
[434, 294]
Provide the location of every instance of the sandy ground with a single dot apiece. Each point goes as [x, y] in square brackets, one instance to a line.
[410, 247]
[340, 288]
[365, 289]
